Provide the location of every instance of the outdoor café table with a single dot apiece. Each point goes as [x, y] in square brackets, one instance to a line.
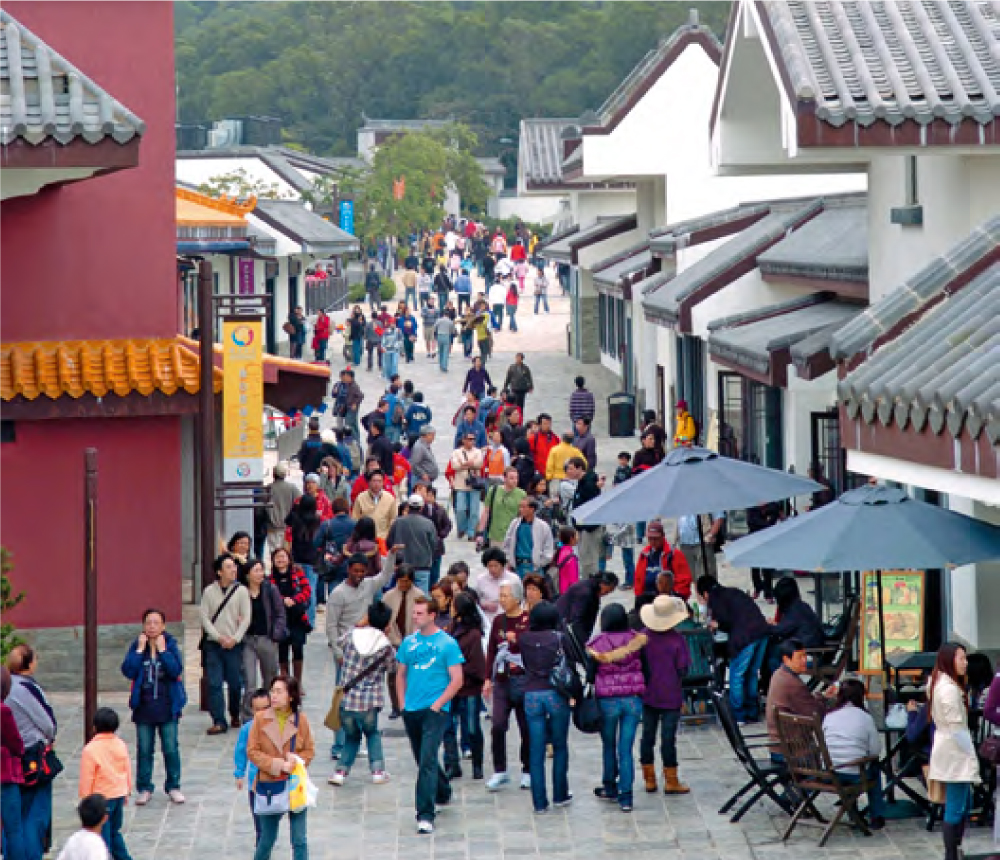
[896, 779]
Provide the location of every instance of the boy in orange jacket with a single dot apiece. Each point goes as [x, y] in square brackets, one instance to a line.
[105, 768]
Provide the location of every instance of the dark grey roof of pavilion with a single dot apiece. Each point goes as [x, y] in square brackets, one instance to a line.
[541, 149]
[867, 62]
[673, 237]
[47, 97]
[562, 249]
[944, 370]
[913, 295]
[613, 268]
[834, 245]
[315, 234]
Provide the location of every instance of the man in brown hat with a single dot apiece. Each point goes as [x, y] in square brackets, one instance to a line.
[658, 557]
[668, 659]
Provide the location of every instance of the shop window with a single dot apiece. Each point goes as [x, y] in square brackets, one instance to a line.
[750, 421]
[8, 431]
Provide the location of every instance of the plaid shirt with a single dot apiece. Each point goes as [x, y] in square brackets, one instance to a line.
[370, 693]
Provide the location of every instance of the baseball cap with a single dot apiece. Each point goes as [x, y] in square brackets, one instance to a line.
[415, 501]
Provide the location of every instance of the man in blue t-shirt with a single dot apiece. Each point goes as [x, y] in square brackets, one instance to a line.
[429, 676]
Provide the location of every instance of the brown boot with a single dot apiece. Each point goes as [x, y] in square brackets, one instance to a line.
[297, 671]
[649, 776]
[671, 784]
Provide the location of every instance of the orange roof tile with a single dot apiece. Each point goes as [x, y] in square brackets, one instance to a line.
[99, 367]
[272, 363]
[196, 210]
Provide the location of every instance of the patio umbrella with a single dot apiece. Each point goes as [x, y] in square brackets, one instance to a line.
[692, 481]
[870, 528]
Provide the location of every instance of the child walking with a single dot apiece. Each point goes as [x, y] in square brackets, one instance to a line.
[105, 769]
[86, 843]
[246, 770]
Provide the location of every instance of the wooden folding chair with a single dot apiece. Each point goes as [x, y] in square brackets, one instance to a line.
[828, 663]
[766, 777]
[807, 758]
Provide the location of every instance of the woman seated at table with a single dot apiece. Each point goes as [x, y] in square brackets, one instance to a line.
[795, 619]
[851, 735]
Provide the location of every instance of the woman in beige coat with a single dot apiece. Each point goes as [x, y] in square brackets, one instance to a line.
[269, 747]
[953, 755]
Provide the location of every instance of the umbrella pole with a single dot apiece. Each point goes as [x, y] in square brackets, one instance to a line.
[701, 542]
[881, 632]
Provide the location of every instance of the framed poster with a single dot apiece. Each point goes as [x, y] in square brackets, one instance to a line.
[903, 610]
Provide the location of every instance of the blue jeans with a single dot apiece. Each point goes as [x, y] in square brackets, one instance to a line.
[313, 578]
[544, 299]
[511, 311]
[621, 722]
[422, 579]
[497, 317]
[668, 721]
[356, 723]
[876, 799]
[744, 674]
[145, 746]
[340, 735]
[224, 666]
[957, 799]
[465, 718]
[410, 297]
[466, 511]
[356, 348]
[444, 352]
[628, 560]
[548, 717]
[425, 730]
[435, 573]
[112, 830]
[523, 568]
[390, 364]
[36, 816]
[269, 834]
[13, 828]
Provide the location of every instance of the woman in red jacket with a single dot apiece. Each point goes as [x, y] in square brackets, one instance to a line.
[11, 776]
[321, 336]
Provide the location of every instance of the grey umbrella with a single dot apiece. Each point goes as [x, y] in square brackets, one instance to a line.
[871, 528]
[692, 481]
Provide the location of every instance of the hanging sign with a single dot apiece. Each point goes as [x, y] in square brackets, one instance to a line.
[242, 401]
[347, 216]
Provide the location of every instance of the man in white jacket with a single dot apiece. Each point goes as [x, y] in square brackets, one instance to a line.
[528, 543]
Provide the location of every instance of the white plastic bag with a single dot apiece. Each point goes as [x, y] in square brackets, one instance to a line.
[896, 718]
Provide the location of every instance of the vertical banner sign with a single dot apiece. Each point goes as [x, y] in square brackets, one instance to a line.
[347, 216]
[246, 287]
[242, 401]
[903, 609]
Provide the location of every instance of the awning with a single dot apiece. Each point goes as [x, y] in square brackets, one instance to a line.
[616, 274]
[759, 343]
[567, 249]
[315, 235]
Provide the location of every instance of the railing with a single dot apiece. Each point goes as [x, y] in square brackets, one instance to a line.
[326, 294]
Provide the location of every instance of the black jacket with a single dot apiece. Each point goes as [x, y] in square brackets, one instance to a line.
[762, 517]
[525, 471]
[737, 614]
[579, 606]
[586, 489]
[381, 447]
[311, 453]
[799, 621]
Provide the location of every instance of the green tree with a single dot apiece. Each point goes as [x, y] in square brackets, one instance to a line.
[241, 185]
[8, 600]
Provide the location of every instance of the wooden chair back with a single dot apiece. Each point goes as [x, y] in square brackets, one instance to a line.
[803, 745]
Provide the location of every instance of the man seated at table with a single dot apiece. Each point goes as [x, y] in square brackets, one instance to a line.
[789, 693]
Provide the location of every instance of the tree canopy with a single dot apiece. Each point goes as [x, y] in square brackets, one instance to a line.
[319, 66]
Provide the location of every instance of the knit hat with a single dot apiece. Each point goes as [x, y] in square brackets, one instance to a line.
[312, 476]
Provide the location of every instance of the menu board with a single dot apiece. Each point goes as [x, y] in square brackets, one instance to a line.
[903, 610]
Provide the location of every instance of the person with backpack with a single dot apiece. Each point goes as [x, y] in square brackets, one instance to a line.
[373, 341]
[496, 459]
[500, 509]
[658, 557]
[686, 430]
[565, 568]
[541, 442]
[519, 381]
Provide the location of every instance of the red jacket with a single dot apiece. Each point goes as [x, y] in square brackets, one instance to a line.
[675, 563]
[540, 446]
[11, 750]
[322, 330]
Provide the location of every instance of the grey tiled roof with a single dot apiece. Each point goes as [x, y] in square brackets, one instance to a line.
[562, 249]
[833, 245]
[867, 62]
[541, 149]
[667, 240]
[315, 234]
[47, 97]
[924, 287]
[665, 302]
[943, 371]
[749, 339]
[491, 165]
[612, 269]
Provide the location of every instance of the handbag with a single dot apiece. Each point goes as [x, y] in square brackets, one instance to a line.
[989, 750]
[332, 720]
[215, 616]
[563, 679]
[475, 481]
[935, 788]
[273, 796]
[587, 716]
[40, 764]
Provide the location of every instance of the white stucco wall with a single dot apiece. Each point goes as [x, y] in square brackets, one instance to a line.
[537, 210]
[587, 206]
[958, 193]
[200, 170]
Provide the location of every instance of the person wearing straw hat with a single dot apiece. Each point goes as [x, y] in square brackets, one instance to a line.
[667, 661]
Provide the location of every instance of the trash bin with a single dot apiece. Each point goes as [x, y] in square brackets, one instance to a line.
[621, 414]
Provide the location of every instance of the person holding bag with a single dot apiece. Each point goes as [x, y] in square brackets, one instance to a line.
[953, 756]
[268, 627]
[278, 735]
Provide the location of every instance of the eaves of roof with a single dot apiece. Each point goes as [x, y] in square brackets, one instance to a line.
[316, 235]
[666, 241]
[833, 246]
[568, 249]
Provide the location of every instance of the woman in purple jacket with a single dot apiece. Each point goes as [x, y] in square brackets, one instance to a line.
[620, 685]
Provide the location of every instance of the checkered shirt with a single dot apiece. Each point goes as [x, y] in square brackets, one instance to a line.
[370, 693]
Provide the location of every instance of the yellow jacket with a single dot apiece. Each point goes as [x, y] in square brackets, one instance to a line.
[685, 433]
[555, 466]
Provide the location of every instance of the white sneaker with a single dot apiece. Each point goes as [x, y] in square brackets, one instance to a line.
[525, 781]
[380, 777]
[339, 778]
[467, 754]
[142, 798]
[175, 795]
[497, 781]
[425, 827]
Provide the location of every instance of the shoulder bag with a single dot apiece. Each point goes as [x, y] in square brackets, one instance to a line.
[473, 481]
[273, 796]
[562, 677]
[218, 612]
[332, 719]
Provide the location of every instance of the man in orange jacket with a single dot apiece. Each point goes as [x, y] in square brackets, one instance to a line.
[657, 557]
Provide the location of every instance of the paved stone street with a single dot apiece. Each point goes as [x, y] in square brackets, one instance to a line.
[361, 820]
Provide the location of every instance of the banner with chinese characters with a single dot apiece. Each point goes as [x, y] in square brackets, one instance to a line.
[903, 610]
[242, 401]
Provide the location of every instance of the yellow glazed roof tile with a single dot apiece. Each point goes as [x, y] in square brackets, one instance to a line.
[73, 368]
[197, 210]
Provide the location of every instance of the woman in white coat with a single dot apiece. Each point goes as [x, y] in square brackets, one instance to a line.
[953, 755]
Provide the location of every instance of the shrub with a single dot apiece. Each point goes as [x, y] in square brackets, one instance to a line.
[356, 294]
[8, 600]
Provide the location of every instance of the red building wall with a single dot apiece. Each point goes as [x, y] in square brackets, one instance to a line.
[138, 526]
[97, 259]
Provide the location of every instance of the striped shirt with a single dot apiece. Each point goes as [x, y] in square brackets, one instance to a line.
[581, 404]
